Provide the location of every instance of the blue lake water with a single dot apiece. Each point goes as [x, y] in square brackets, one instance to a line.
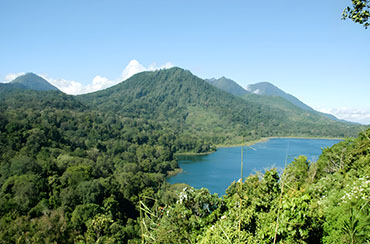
[216, 171]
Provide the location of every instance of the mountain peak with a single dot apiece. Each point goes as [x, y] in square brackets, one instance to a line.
[267, 89]
[31, 81]
[228, 85]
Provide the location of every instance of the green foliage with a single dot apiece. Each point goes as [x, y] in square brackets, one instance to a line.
[347, 212]
[78, 170]
[20, 193]
[296, 173]
[182, 221]
[358, 12]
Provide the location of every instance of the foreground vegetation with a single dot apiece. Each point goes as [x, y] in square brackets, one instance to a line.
[323, 202]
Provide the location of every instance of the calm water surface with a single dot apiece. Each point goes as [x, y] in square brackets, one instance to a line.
[216, 171]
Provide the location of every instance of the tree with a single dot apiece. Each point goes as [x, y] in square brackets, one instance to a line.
[359, 12]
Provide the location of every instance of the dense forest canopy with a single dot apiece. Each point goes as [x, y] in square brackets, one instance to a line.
[63, 166]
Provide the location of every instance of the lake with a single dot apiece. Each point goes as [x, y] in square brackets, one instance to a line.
[216, 171]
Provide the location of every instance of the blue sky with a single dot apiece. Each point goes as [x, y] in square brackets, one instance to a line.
[303, 47]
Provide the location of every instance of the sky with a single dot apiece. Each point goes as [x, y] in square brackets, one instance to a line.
[303, 47]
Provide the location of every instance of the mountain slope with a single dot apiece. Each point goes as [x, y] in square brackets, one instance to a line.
[228, 85]
[20, 98]
[268, 89]
[30, 81]
[184, 101]
[267, 94]
[192, 106]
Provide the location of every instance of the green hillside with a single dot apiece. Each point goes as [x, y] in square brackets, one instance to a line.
[19, 98]
[192, 106]
[268, 89]
[32, 81]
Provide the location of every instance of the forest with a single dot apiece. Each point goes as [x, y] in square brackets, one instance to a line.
[92, 170]
[65, 169]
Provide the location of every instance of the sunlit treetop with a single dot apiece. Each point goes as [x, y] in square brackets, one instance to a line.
[359, 12]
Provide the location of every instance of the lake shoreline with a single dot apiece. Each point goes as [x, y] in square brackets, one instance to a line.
[174, 172]
[249, 143]
[265, 139]
[216, 171]
[193, 153]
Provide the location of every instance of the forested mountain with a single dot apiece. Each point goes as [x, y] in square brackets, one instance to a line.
[192, 106]
[228, 85]
[32, 81]
[269, 95]
[268, 89]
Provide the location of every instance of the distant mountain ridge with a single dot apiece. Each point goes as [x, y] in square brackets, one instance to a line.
[192, 105]
[268, 89]
[228, 85]
[31, 81]
[261, 88]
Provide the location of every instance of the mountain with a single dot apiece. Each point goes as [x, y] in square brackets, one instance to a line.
[228, 85]
[31, 81]
[192, 106]
[268, 93]
[13, 97]
[268, 89]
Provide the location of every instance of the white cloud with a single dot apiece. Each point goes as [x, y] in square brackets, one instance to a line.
[10, 77]
[131, 69]
[257, 91]
[154, 66]
[99, 82]
[350, 114]
[66, 86]
[135, 67]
